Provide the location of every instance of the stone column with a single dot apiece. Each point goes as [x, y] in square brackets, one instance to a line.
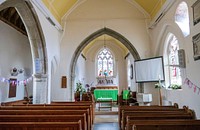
[40, 89]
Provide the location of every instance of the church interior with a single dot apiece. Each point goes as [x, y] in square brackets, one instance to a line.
[100, 64]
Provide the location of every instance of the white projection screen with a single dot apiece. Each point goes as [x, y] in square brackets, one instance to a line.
[149, 70]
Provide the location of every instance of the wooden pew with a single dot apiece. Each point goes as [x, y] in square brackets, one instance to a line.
[40, 125]
[164, 125]
[45, 118]
[19, 102]
[48, 112]
[44, 107]
[155, 117]
[58, 105]
[146, 108]
[82, 103]
[90, 104]
[71, 106]
[125, 114]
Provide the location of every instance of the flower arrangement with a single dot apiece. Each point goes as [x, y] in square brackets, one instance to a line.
[175, 86]
[88, 86]
[159, 84]
[79, 88]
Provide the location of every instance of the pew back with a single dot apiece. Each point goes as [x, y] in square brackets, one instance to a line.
[40, 125]
[164, 125]
[45, 118]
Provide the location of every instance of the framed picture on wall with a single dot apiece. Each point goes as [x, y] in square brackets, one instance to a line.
[196, 12]
[12, 88]
[196, 46]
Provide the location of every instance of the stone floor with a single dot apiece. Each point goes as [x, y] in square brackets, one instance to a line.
[106, 119]
[106, 126]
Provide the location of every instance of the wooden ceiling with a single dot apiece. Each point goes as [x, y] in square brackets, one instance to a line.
[12, 18]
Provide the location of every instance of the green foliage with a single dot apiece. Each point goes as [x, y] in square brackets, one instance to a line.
[158, 85]
[175, 86]
[79, 88]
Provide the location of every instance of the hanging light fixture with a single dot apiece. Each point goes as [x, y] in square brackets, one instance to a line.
[104, 43]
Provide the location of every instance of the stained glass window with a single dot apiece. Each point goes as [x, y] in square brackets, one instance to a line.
[174, 70]
[105, 63]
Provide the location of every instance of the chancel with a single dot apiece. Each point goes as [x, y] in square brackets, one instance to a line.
[99, 64]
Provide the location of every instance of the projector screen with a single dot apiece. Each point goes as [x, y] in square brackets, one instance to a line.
[149, 70]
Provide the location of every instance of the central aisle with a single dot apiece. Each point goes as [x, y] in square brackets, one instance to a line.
[106, 119]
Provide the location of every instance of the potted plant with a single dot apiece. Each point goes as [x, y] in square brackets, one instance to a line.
[79, 91]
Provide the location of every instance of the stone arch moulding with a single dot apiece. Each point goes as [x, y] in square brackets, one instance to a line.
[93, 36]
[37, 44]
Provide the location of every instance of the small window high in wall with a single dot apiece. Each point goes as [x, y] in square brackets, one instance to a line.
[105, 63]
[182, 18]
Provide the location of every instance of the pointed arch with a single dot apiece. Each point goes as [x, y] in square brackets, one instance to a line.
[182, 18]
[93, 36]
[37, 43]
[173, 71]
[33, 28]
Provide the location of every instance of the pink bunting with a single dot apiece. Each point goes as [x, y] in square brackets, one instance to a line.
[22, 82]
[195, 88]
[191, 85]
[186, 81]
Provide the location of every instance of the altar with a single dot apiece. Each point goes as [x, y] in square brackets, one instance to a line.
[106, 93]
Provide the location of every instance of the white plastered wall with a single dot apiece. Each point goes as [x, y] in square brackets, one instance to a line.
[90, 16]
[81, 71]
[14, 52]
[186, 96]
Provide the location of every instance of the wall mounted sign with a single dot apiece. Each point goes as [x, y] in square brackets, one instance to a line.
[12, 88]
[196, 12]
[196, 46]
[64, 82]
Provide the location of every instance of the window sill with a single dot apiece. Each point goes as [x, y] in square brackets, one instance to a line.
[170, 89]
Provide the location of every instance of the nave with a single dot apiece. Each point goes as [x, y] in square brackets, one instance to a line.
[106, 119]
[85, 115]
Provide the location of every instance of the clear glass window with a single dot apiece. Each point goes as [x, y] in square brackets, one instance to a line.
[182, 18]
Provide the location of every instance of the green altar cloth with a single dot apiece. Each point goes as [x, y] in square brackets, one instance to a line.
[106, 93]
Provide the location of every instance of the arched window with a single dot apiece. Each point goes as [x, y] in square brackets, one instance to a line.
[173, 61]
[105, 63]
[182, 18]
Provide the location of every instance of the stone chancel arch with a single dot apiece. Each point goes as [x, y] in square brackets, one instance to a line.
[37, 44]
[93, 36]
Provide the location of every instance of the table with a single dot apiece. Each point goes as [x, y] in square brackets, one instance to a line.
[104, 100]
[106, 93]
